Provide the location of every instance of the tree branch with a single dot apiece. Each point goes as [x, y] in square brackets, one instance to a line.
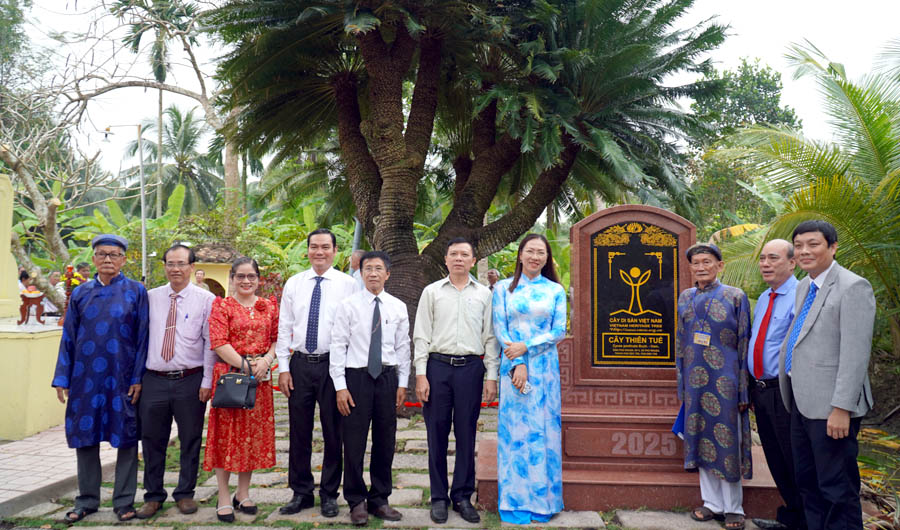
[522, 217]
[365, 181]
[420, 124]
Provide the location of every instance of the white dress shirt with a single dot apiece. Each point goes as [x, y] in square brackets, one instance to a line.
[294, 315]
[352, 333]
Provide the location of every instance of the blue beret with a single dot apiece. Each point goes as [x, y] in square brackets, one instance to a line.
[110, 239]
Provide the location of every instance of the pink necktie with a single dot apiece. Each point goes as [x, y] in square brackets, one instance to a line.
[168, 345]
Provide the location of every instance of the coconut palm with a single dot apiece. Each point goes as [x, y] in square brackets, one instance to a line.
[184, 163]
[853, 183]
[163, 18]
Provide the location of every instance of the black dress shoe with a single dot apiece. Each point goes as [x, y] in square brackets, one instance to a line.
[467, 511]
[439, 511]
[328, 507]
[769, 524]
[358, 515]
[298, 502]
[384, 511]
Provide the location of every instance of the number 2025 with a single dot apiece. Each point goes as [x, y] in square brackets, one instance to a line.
[643, 444]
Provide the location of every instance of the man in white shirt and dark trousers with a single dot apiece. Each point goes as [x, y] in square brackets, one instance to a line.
[453, 333]
[178, 380]
[308, 304]
[370, 369]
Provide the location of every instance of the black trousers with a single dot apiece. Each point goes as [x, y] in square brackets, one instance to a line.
[312, 385]
[161, 401]
[376, 405]
[774, 424]
[90, 474]
[827, 474]
[455, 399]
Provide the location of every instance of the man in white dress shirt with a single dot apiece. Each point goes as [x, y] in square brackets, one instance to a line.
[370, 369]
[308, 303]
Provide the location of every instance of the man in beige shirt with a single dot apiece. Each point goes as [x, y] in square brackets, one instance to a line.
[454, 348]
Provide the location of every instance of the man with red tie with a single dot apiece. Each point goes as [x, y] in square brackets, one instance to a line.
[771, 323]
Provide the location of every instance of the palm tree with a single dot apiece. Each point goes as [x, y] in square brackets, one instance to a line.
[182, 135]
[854, 183]
[163, 18]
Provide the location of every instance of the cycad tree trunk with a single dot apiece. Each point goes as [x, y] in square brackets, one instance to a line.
[159, 157]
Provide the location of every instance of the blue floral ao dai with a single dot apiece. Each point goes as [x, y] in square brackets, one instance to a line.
[529, 438]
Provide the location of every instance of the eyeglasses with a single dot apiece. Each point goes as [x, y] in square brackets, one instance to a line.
[250, 277]
[176, 265]
[535, 253]
[111, 255]
[377, 268]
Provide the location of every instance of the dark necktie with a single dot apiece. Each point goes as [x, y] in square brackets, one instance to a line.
[375, 343]
[312, 322]
[798, 323]
[761, 338]
[168, 345]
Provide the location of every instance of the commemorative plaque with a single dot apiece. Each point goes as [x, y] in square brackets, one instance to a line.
[634, 288]
[617, 370]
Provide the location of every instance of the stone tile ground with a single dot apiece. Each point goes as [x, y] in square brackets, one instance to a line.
[269, 489]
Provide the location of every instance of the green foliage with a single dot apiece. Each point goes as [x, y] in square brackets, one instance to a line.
[854, 183]
[748, 95]
[184, 163]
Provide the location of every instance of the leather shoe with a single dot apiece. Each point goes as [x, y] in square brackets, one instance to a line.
[149, 509]
[298, 502]
[328, 507]
[187, 505]
[358, 515]
[769, 524]
[384, 511]
[467, 511]
[439, 511]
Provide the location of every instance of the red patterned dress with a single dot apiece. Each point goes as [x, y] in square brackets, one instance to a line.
[242, 440]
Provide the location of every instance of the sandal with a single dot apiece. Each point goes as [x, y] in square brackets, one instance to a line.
[79, 513]
[225, 518]
[125, 513]
[705, 514]
[249, 509]
[734, 521]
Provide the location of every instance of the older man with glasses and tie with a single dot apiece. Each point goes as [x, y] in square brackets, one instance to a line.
[370, 368]
[178, 381]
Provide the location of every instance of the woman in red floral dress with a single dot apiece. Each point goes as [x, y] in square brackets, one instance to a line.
[238, 440]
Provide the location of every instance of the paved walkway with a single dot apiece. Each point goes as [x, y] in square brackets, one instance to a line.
[37, 486]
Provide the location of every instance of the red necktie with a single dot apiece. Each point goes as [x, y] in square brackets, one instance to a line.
[168, 345]
[761, 338]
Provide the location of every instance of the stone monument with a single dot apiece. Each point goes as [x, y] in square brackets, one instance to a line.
[617, 371]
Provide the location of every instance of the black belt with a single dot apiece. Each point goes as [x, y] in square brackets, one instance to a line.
[453, 360]
[385, 368]
[766, 383]
[312, 358]
[177, 374]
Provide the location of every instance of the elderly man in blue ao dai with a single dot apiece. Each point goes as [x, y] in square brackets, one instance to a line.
[711, 364]
[99, 369]
[529, 319]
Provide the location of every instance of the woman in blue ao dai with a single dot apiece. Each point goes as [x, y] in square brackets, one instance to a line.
[529, 319]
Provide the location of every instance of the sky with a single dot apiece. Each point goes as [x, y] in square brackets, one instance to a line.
[852, 33]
